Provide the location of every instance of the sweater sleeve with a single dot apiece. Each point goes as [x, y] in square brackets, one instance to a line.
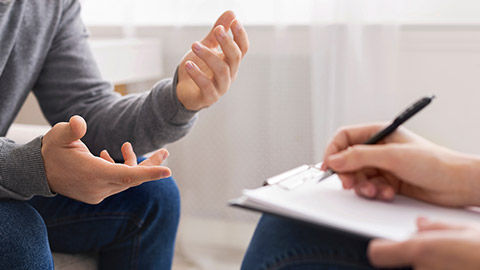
[22, 173]
[70, 83]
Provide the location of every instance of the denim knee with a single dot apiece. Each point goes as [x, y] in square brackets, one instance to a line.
[160, 202]
[23, 237]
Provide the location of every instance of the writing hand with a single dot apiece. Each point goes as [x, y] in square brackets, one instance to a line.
[74, 172]
[206, 73]
[404, 163]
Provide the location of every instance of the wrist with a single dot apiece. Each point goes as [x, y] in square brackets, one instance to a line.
[469, 175]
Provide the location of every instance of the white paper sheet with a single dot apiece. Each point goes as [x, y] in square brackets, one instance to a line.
[326, 203]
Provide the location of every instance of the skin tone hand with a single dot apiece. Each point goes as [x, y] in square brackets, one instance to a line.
[74, 172]
[206, 73]
[436, 246]
[404, 163]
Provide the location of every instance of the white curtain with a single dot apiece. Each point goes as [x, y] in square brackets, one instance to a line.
[295, 87]
[298, 83]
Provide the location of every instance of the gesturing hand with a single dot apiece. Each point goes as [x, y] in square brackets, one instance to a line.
[206, 73]
[436, 246]
[74, 172]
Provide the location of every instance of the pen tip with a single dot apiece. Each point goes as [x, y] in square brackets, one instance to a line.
[432, 96]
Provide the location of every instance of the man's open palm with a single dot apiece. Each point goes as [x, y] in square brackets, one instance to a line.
[74, 172]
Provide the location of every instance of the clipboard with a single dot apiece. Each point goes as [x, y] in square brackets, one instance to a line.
[296, 194]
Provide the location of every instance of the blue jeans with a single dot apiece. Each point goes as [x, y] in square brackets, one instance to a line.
[134, 229]
[284, 244]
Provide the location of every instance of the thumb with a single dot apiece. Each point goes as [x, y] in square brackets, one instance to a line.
[69, 132]
[356, 157]
[424, 224]
[226, 20]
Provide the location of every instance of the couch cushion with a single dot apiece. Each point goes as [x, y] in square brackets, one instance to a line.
[74, 262]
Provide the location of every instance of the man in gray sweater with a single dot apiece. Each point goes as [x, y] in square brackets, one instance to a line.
[43, 48]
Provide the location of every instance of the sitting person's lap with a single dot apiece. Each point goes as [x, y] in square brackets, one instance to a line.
[23, 237]
[135, 227]
[280, 243]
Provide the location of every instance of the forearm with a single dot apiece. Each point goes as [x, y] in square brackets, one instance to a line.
[71, 84]
[148, 120]
[22, 172]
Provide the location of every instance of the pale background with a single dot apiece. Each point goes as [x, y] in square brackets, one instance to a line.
[312, 67]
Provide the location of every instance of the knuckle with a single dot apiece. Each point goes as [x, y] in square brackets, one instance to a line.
[237, 57]
[127, 180]
[212, 97]
[355, 151]
[205, 84]
[247, 47]
[224, 71]
[340, 131]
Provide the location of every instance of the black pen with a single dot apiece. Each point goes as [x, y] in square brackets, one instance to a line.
[404, 116]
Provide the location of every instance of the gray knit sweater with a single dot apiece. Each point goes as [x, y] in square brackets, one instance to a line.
[43, 48]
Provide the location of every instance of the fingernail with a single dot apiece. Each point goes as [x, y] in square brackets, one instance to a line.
[165, 155]
[222, 33]
[166, 174]
[197, 47]
[189, 65]
[336, 160]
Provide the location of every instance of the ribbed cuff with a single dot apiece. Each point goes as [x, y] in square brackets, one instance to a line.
[174, 111]
[22, 171]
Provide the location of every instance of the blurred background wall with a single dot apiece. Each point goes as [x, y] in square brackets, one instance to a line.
[312, 67]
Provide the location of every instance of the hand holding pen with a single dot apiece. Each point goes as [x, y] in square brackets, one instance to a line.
[402, 163]
[380, 135]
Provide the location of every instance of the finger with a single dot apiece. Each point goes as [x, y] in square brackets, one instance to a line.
[348, 180]
[324, 166]
[105, 155]
[363, 187]
[132, 176]
[208, 91]
[226, 20]
[128, 154]
[233, 54]
[240, 36]
[219, 67]
[385, 191]
[424, 224]
[350, 135]
[69, 132]
[156, 159]
[386, 253]
[387, 157]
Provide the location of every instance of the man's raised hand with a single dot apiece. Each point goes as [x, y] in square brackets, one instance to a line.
[206, 73]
